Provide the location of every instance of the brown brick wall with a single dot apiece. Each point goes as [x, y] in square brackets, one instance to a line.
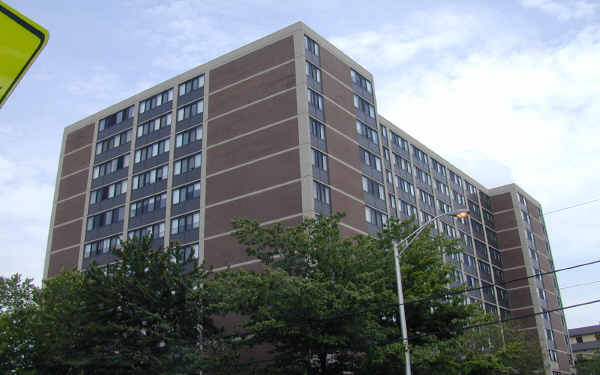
[63, 261]
[79, 138]
[501, 202]
[519, 297]
[512, 258]
[255, 116]
[335, 66]
[505, 220]
[252, 63]
[272, 171]
[66, 235]
[253, 146]
[340, 120]
[225, 250]
[343, 149]
[76, 161]
[341, 95]
[355, 211]
[514, 274]
[73, 185]
[69, 210]
[508, 239]
[269, 205]
[345, 179]
[252, 90]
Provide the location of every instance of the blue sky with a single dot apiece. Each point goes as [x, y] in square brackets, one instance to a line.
[448, 73]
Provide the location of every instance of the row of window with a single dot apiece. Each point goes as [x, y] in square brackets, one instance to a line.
[189, 136]
[108, 191]
[315, 99]
[116, 118]
[154, 125]
[190, 110]
[187, 192]
[372, 187]
[191, 85]
[111, 166]
[147, 205]
[187, 164]
[105, 218]
[367, 132]
[361, 81]
[313, 72]
[101, 247]
[152, 150]
[185, 223]
[322, 193]
[364, 106]
[113, 142]
[150, 177]
[156, 101]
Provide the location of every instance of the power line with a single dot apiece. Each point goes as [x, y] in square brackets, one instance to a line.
[581, 284]
[568, 208]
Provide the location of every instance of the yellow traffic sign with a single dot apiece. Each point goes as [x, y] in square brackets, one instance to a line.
[21, 41]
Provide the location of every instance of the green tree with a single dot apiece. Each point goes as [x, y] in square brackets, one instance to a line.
[588, 366]
[326, 304]
[17, 310]
[148, 313]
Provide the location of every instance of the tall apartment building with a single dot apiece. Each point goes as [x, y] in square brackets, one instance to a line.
[281, 129]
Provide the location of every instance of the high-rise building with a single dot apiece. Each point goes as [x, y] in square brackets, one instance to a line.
[284, 128]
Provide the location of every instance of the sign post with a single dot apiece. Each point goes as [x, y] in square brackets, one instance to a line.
[21, 41]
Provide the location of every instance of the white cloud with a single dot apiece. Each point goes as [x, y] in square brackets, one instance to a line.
[564, 10]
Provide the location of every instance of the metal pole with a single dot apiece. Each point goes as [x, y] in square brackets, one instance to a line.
[401, 309]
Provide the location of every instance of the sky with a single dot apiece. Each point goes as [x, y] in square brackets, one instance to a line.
[451, 74]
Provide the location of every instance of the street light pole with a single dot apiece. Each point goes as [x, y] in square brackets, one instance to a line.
[406, 242]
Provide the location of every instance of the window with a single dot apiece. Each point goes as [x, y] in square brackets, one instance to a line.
[364, 106]
[449, 230]
[154, 231]
[489, 218]
[472, 282]
[420, 155]
[152, 150]
[455, 179]
[113, 142]
[389, 177]
[487, 290]
[154, 125]
[468, 260]
[458, 197]
[522, 200]
[375, 217]
[321, 193]
[370, 159]
[105, 218]
[156, 100]
[408, 209]
[541, 293]
[188, 252]
[317, 129]
[319, 160]
[361, 81]
[189, 136]
[405, 186]
[392, 201]
[426, 217]
[185, 223]
[402, 164]
[190, 110]
[367, 132]
[470, 188]
[399, 141]
[149, 177]
[108, 192]
[311, 46]
[386, 154]
[439, 168]
[553, 356]
[579, 339]
[147, 205]
[466, 239]
[478, 228]
[314, 99]
[498, 275]
[485, 268]
[191, 85]
[111, 166]
[423, 176]
[496, 256]
[384, 134]
[186, 193]
[531, 237]
[187, 164]
[101, 247]
[444, 207]
[313, 72]
[426, 198]
[442, 187]
[373, 188]
[502, 295]
[525, 217]
[115, 119]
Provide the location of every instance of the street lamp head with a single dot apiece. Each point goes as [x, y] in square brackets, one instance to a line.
[460, 213]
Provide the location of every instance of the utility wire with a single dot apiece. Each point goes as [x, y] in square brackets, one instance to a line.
[581, 284]
[568, 208]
